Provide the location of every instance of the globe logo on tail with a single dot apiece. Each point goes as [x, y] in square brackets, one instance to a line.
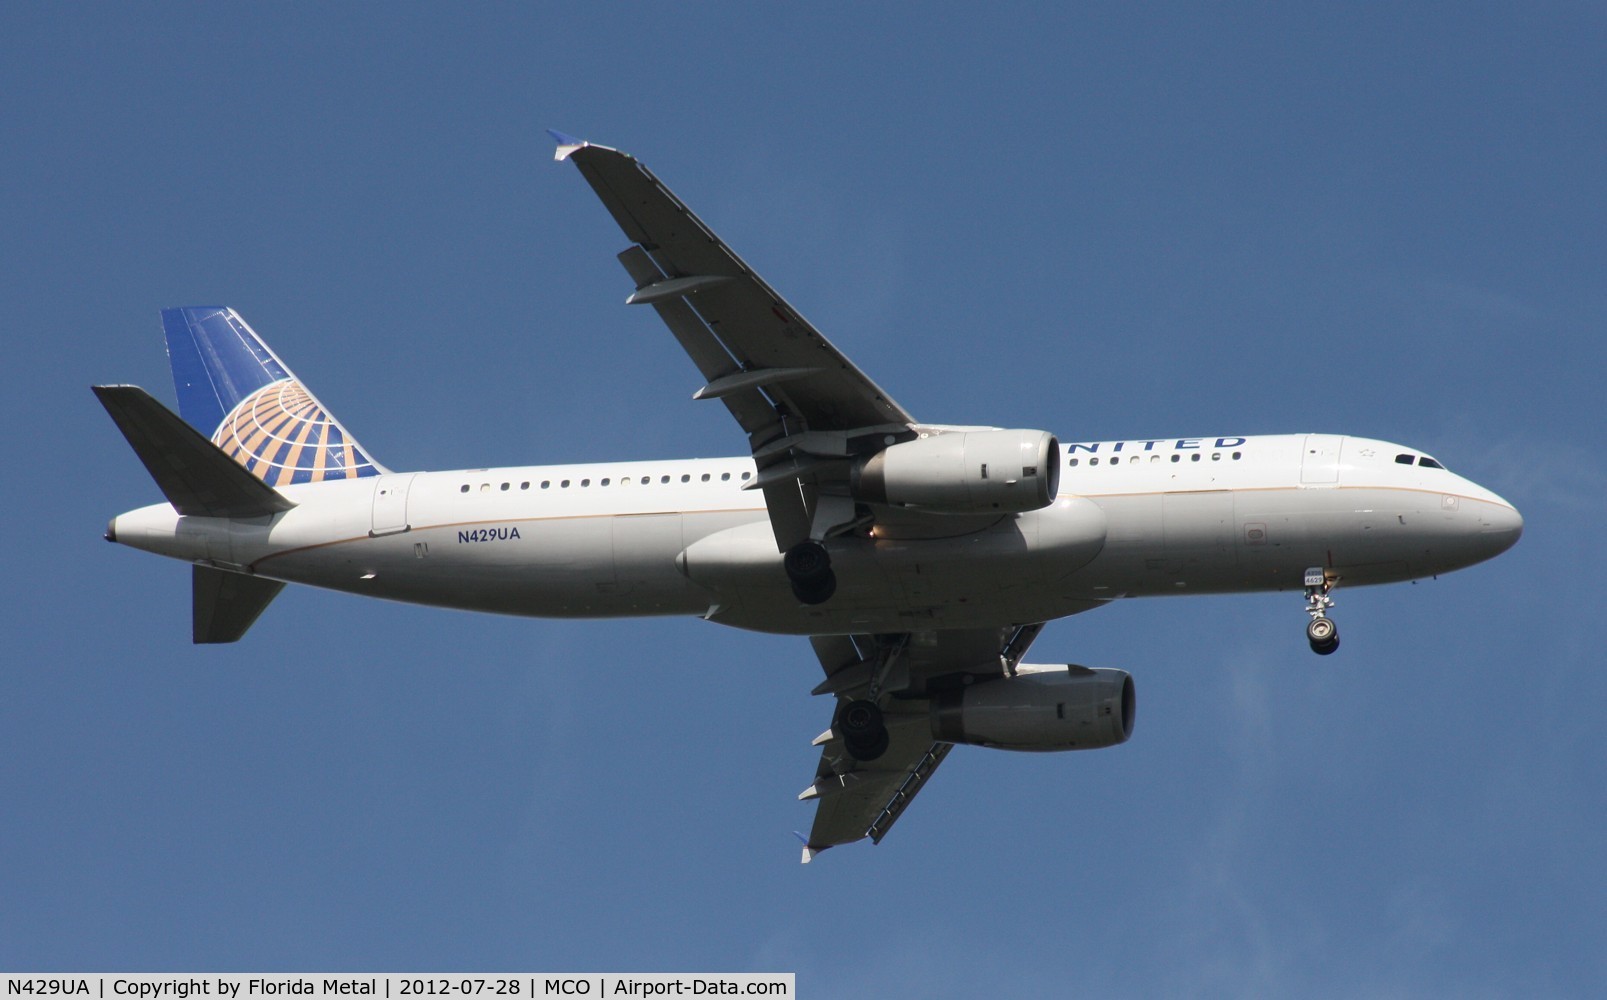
[282, 436]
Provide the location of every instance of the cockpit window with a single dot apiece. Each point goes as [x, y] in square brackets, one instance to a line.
[1404, 459]
[1429, 463]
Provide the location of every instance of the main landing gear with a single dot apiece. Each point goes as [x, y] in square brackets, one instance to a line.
[1321, 631]
[808, 567]
[862, 729]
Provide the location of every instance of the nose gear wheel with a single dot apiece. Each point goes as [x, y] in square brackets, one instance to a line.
[1321, 632]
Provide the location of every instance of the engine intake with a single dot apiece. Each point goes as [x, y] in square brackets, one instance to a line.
[964, 472]
[1059, 707]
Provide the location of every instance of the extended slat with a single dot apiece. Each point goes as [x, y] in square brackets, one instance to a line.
[906, 792]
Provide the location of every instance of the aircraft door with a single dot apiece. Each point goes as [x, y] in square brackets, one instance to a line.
[390, 504]
[1319, 460]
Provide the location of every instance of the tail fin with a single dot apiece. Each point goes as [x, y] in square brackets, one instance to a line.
[236, 391]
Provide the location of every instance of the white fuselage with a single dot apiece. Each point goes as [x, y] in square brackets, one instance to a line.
[1132, 519]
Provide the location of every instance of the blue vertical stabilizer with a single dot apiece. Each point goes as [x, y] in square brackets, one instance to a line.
[234, 390]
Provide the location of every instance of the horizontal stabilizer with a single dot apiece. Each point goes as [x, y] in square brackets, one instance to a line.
[226, 604]
[195, 475]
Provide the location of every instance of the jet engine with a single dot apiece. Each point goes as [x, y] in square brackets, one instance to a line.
[964, 472]
[1042, 707]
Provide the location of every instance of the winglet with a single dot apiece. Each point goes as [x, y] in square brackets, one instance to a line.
[567, 144]
[808, 851]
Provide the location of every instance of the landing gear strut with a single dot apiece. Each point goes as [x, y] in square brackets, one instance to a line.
[863, 732]
[1321, 631]
[808, 567]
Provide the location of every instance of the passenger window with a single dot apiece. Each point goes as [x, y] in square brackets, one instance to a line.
[1236, 456]
[746, 476]
[725, 477]
[545, 483]
[1177, 458]
[1194, 457]
[1074, 463]
[564, 484]
[603, 483]
[485, 487]
[524, 486]
[685, 478]
[663, 479]
[1093, 461]
[705, 477]
[465, 488]
[504, 487]
[1216, 456]
[585, 482]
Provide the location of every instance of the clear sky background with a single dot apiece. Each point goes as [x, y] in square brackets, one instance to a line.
[1126, 221]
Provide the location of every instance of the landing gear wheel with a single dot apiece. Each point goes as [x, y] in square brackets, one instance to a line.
[863, 732]
[808, 567]
[1321, 632]
[1323, 635]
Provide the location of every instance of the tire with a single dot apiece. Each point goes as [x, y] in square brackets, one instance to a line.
[869, 749]
[816, 592]
[808, 567]
[806, 562]
[863, 732]
[1325, 648]
[1322, 631]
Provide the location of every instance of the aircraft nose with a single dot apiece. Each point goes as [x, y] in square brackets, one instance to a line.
[1500, 527]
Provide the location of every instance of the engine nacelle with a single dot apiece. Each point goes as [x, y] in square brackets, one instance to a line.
[964, 472]
[1059, 707]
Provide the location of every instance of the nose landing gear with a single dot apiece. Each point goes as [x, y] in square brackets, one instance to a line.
[1321, 632]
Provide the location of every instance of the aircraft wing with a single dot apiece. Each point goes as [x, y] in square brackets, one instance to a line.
[857, 799]
[805, 407]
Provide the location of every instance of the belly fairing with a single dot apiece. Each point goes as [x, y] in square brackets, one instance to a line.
[1003, 574]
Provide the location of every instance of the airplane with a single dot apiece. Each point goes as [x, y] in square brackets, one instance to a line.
[921, 560]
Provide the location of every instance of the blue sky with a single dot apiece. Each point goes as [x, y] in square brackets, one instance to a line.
[1120, 221]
